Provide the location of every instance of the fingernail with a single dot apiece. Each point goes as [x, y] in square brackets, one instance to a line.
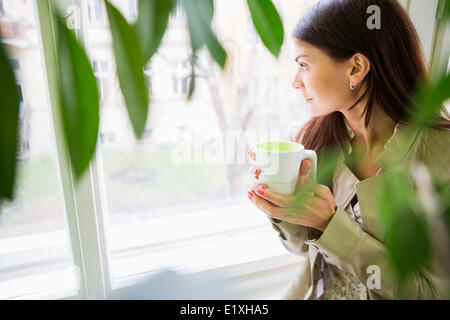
[260, 191]
[250, 194]
[262, 186]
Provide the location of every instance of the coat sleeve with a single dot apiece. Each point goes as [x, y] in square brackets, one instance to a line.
[344, 244]
[292, 236]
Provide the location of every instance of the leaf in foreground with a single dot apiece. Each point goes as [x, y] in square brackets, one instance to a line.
[153, 16]
[9, 122]
[130, 68]
[268, 24]
[79, 98]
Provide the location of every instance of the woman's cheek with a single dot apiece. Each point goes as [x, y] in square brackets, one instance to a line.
[325, 99]
[319, 105]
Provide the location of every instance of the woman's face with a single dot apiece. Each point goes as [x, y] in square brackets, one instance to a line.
[323, 81]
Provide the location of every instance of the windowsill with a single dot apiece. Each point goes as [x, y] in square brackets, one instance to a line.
[238, 242]
[248, 253]
[46, 285]
[196, 225]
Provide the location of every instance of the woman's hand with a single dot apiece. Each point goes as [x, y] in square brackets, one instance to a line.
[312, 204]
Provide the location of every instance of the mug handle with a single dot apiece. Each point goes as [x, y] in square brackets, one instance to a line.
[311, 154]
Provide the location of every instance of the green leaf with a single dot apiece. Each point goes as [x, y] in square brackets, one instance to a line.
[192, 77]
[447, 9]
[401, 216]
[9, 122]
[326, 165]
[153, 16]
[130, 68]
[268, 24]
[409, 246]
[79, 98]
[429, 99]
[199, 13]
[443, 191]
[391, 207]
[192, 60]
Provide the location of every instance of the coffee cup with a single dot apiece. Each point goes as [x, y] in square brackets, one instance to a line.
[280, 163]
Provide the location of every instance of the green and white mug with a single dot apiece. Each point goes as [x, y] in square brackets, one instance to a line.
[280, 162]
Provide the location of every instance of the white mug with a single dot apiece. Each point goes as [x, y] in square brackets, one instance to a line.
[280, 162]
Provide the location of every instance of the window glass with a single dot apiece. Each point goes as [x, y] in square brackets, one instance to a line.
[193, 156]
[33, 227]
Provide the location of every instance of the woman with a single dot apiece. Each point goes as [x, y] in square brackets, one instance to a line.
[359, 83]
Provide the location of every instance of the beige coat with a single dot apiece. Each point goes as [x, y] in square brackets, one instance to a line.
[352, 249]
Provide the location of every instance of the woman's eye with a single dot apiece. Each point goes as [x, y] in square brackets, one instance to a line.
[302, 66]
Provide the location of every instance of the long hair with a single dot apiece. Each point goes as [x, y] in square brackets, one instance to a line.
[339, 28]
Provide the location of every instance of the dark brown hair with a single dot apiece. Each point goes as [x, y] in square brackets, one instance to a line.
[339, 28]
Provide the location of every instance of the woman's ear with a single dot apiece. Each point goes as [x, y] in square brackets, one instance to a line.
[360, 67]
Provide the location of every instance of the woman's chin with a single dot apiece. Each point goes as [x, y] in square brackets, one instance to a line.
[314, 111]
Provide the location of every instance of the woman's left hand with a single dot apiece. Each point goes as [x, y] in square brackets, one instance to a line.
[312, 207]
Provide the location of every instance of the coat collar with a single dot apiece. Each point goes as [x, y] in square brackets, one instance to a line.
[395, 149]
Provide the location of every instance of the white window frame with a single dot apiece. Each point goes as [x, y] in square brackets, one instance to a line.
[101, 71]
[85, 201]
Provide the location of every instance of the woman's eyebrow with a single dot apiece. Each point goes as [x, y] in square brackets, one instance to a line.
[300, 56]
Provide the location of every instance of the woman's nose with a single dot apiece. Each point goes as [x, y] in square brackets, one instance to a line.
[298, 84]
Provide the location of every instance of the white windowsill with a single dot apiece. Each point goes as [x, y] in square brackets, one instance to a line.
[192, 225]
[238, 241]
[244, 254]
[49, 285]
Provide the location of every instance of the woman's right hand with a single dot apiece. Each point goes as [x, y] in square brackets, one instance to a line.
[255, 172]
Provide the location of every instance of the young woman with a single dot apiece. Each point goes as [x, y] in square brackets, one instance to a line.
[358, 83]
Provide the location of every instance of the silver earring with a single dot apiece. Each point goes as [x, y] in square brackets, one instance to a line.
[351, 86]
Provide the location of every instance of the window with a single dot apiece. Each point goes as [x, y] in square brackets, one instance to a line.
[253, 39]
[254, 89]
[148, 77]
[147, 210]
[34, 240]
[272, 88]
[95, 11]
[15, 64]
[101, 73]
[132, 9]
[24, 126]
[164, 213]
[180, 77]
[173, 199]
[178, 13]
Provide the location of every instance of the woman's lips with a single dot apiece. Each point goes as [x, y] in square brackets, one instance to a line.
[308, 100]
